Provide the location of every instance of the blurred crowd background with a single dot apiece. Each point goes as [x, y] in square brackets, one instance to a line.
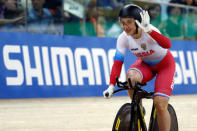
[176, 19]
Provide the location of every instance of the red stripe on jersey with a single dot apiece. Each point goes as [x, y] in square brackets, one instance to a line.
[116, 69]
[161, 39]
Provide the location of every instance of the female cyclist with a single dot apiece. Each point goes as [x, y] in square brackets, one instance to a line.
[154, 59]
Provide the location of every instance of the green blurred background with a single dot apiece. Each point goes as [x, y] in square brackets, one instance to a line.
[176, 19]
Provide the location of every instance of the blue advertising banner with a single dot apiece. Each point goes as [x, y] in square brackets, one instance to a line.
[68, 66]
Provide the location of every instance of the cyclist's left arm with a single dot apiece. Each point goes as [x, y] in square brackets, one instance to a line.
[162, 40]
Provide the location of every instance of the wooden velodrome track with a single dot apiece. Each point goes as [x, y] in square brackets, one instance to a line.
[82, 114]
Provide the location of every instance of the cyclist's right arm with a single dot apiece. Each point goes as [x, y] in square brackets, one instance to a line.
[118, 58]
[122, 44]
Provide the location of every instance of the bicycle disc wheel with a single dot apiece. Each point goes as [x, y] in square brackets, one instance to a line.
[174, 122]
[122, 119]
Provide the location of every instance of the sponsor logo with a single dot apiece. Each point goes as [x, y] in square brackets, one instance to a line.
[142, 54]
[57, 65]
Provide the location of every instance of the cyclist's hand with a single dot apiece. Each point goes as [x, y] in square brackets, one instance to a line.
[109, 92]
[145, 23]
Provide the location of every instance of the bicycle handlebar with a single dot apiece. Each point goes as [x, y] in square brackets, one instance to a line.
[124, 85]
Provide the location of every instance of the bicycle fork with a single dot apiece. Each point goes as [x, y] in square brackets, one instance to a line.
[137, 121]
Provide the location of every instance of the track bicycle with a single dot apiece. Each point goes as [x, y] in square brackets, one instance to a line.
[130, 116]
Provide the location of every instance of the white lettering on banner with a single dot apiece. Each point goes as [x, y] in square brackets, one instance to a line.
[96, 53]
[63, 66]
[178, 79]
[187, 73]
[11, 64]
[84, 73]
[47, 71]
[32, 72]
[195, 60]
[62, 52]
[183, 73]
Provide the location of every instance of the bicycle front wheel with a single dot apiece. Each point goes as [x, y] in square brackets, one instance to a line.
[123, 118]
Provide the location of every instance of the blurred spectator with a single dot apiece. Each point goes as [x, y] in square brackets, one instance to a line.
[57, 11]
[115, 30]
[72, 25]
[173, 26]
[91, 25]
[11, 18]
[188, 2]
[94, 26]
[40, 19]
[110, 3]
[155, 14]
[190, 24]
[73, 22]
[195, 3]
[55, 7]
[189, 19]
[185, 2]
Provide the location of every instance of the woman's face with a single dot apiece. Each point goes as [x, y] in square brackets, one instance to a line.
[10, 4]
[155, 12]
[128, 25]
[189, 2]
[176, 11]
[38, 4]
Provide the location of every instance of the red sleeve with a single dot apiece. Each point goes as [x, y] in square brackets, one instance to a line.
[115, 72]
[161, 39]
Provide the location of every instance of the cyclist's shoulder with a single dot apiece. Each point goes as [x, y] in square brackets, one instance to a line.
[154, 28]
[123, 35]
[122, 38]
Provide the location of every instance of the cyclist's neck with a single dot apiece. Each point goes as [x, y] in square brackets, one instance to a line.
[138, 35]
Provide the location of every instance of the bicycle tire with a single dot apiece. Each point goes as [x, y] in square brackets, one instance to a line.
[174, 121]
[122, 119]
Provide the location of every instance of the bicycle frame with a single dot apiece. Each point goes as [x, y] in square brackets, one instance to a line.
[136, 107]
[137, 110]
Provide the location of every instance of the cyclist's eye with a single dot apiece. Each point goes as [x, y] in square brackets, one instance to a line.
[129, 22]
